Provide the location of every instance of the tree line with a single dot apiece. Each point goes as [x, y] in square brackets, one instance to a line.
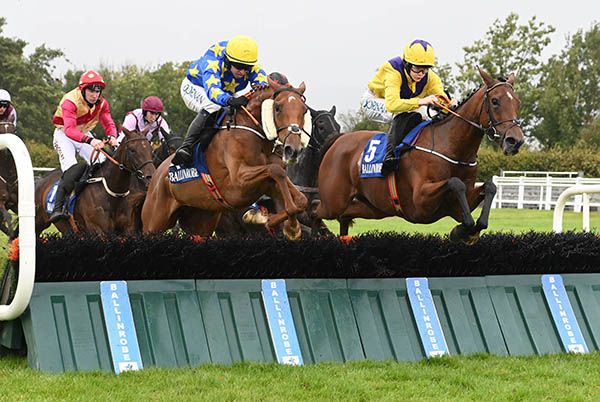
[559, 97]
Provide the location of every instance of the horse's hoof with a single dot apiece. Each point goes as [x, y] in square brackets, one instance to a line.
[293, 232]
[454, 235]
[471, 240]
[256, 216]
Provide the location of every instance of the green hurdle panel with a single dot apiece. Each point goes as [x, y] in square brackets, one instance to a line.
[237, 327]
[187, 323]
[64, 325]
[388, 329]
[524, 315]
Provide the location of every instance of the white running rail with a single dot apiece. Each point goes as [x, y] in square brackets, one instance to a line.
[27, 236]
[585, 191]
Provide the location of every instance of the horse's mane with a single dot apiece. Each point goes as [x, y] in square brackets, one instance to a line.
[327, 144]
[443, 116]
[440, 117]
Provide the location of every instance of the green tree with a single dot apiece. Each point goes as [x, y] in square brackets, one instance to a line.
[35, 92]
[129, 85]
[509, 47]
[569, 105]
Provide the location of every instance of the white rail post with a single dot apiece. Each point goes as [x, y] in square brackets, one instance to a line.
[557, 224]
[548, 204]
[496, 201]
[521, 193]
[26, 228]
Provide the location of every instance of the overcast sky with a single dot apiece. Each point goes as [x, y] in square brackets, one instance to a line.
[334, 46]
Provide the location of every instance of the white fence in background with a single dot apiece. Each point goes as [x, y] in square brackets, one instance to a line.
[540, 192]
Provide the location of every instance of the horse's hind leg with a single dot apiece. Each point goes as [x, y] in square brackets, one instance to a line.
[195, 221]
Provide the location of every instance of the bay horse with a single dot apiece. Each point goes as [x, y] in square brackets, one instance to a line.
[9, 186]
[436, 178]
[303, 174]
[102, 205]
[243, 166]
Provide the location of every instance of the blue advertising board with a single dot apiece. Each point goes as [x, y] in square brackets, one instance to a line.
[120, 328]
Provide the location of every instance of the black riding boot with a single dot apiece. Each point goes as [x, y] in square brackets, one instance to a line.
[401, 125]
[183, 155]
[390, 162]
[65, 187]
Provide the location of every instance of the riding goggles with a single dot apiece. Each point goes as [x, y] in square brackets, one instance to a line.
[241, 66]
[4, 104]
[94, 88]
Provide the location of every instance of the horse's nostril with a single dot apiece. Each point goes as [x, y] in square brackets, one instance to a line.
[510, 141]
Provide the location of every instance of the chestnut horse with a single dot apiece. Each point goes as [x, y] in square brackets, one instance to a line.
[102, 205]
[436, 178]
[303, 174]
[243, 166]
[9, 189]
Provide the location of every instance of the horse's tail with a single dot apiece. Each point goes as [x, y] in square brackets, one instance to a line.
[137, 202]
[327, 144]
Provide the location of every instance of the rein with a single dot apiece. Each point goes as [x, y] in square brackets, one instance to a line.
[137, 171]
[490, 131]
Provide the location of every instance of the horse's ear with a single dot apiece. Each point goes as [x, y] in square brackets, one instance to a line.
[332, 111]
[302, 87]
[273, 84]
[125, 131]
[489, 81]
[145, 131]
[511, 78]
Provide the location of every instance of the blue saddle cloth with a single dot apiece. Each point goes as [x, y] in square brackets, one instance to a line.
[182, 174]
[374, 152]
[410, 138]
[51, 199]
[372, 159]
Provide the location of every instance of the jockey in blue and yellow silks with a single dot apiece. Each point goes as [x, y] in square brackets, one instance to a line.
[226, 69]
[403, 87]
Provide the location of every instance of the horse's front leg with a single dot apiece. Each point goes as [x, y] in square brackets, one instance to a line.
[430, 197]
[250, 177]
[485, 193]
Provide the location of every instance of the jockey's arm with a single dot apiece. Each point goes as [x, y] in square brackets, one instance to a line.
[69, 113]
[106, 120]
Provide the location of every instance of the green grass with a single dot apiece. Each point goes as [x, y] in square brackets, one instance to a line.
[475, 378]
[501, 220]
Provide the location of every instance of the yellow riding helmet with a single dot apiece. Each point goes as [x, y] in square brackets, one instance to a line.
[419, 53]
[242, 49]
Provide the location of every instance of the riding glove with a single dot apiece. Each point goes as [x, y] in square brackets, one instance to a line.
[239, 101]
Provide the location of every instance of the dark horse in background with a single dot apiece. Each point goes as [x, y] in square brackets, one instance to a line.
[303, 174]
[9, 188]
[242, 166]
[436, 178]
[102, 205]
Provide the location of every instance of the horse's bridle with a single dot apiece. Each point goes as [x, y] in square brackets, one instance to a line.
[491, 131]
[137, 170]
[293, 129]
[328, 116]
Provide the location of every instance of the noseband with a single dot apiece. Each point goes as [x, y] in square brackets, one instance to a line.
[293, 129]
